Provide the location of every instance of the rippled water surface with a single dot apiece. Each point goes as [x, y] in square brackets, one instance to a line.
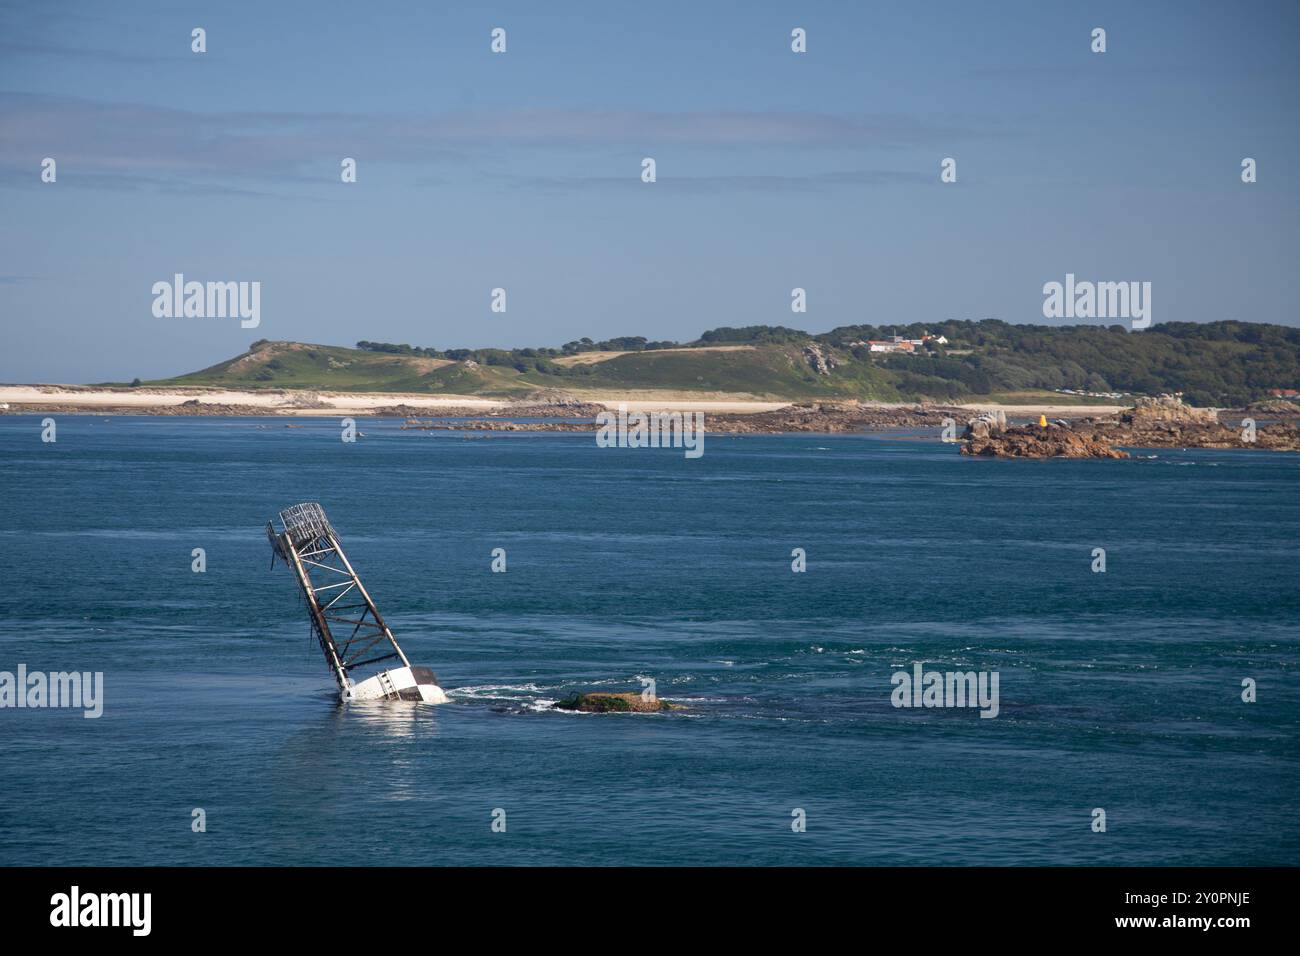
[1119, 690]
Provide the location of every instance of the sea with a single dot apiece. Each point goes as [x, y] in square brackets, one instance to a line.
[1147, 713]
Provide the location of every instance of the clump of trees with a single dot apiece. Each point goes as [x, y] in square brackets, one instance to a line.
[1212, 363]
[754, 335]
[625, 343]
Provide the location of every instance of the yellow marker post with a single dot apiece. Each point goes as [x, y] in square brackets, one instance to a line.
[1042, 421]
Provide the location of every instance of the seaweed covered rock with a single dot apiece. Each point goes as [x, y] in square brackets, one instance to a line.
[630, 702]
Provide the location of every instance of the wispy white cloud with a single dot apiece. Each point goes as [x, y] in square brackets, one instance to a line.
[146, 143]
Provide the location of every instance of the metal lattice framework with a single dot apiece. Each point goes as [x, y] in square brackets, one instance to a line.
[307, 545]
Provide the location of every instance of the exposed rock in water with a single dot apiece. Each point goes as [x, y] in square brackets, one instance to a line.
[1163, 422]
[494, 425]
[1175, 434]
[549, 404]
[602, 703]
[1035, 441]
[195, 407]
[986, 425]
[412, 412]
[828, 417]
[1167, 408]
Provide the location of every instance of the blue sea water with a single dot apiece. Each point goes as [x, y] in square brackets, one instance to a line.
[1118, 690]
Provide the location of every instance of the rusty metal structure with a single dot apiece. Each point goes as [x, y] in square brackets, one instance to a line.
[337, 601]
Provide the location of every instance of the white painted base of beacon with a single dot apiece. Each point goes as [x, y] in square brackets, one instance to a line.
[401, 683]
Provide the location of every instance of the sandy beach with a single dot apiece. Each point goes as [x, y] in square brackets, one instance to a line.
[141, 401]
[35, 398]
[270, 401]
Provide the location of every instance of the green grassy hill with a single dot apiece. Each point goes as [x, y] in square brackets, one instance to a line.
[339, 369]
[776, 372]
[769, 371]
[1219, 363]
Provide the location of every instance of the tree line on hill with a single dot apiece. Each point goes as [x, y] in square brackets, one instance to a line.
[1215, 363]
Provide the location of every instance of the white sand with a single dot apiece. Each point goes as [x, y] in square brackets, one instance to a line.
[282, 401]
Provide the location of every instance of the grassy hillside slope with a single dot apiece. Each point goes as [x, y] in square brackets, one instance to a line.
[338, 369]
[1220, 363]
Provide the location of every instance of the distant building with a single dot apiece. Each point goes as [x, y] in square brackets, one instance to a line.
[1284, 393]
[899, 344]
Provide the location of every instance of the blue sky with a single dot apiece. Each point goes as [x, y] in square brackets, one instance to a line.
[522, 170]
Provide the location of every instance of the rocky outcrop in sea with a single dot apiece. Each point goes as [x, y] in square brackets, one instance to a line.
[1161, 422]
[1035, 441]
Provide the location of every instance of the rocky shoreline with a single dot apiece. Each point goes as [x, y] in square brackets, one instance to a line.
[816, 417]
[1033, 441]
[1163, 422]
